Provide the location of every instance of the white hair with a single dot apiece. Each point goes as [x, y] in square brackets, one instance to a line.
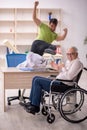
[75, 49]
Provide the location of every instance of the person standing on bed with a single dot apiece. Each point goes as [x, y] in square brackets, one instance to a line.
[46, 34]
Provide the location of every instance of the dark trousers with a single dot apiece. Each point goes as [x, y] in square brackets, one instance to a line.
[38, 46]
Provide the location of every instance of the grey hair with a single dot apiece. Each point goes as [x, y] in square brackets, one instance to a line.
[75, 49]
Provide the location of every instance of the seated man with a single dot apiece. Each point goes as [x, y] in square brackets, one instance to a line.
[68, 72]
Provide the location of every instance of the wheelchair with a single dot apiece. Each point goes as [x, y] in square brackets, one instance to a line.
[71, 103]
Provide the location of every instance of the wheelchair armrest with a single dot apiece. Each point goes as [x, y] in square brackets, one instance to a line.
[63, 80]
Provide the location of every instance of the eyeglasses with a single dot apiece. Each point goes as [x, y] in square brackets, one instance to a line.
[70, 54]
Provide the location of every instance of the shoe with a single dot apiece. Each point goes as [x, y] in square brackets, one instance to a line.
[25, 104]
[32, 109]
[50, 51]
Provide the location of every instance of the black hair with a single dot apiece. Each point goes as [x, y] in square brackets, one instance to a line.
[54, 21]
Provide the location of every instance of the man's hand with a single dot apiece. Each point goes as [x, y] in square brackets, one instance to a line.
[35, 19]
[58, 66]
[61, 65]
[36, 3]
[54, 65]
[65, 30]
[62, 37]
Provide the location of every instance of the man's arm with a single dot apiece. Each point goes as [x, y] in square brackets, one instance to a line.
[57, 66]
[72, 71]
[62, 37]
[35, 19]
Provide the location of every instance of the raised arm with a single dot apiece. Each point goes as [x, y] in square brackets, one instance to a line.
[62, 37]
[35, 19]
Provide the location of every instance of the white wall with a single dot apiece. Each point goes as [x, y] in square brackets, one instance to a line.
[74, 18]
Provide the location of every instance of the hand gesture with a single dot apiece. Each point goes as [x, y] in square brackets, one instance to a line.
[36, 3]
[65, 29]
[54, 65]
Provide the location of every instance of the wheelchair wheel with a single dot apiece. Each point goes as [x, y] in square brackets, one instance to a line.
[44, 110]
[51, 118]
[74, 112]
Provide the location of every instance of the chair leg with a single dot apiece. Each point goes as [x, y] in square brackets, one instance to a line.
[12, 98]
[9, 99]
[22, 98]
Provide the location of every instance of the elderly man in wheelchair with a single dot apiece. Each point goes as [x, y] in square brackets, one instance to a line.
[68, 72]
